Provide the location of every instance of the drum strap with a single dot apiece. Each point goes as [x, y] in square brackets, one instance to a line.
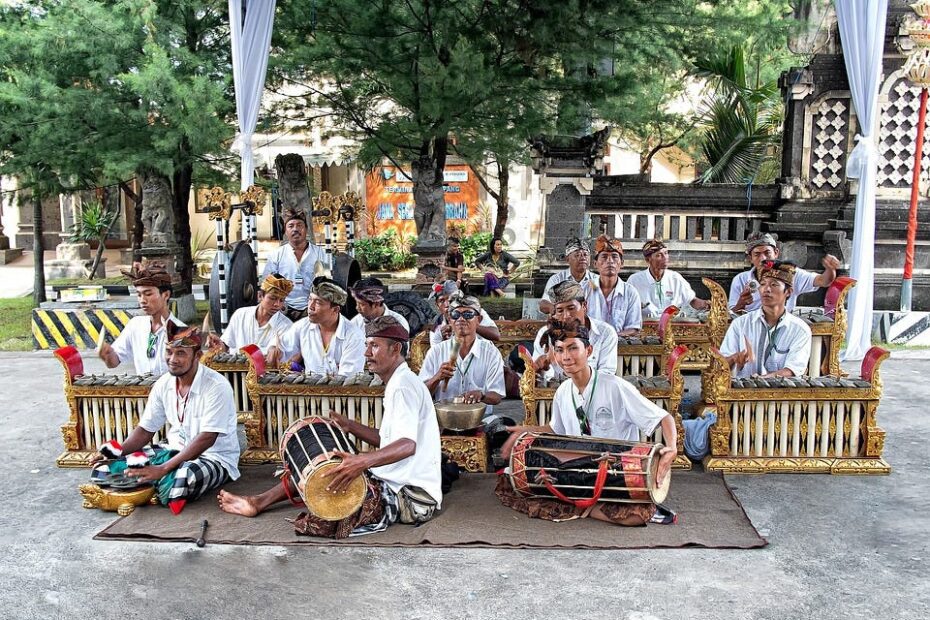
[579, 503]
[287, 488]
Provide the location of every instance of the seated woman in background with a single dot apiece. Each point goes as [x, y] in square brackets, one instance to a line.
[498, 264]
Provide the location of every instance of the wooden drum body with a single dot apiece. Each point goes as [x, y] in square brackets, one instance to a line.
[586, 470]
[307, 453]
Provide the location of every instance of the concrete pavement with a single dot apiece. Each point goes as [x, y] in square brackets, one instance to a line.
[839, 547]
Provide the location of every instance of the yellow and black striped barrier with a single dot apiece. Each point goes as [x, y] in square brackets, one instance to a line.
[56, 327]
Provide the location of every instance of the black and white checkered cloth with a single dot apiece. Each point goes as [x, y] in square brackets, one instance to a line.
[192, 479]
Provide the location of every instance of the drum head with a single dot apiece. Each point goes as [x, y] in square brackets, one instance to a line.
[328, 505]
[658, 494]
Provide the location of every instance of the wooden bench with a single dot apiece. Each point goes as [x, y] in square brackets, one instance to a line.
[799, 425]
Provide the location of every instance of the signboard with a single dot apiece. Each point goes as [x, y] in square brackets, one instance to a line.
[389, 198]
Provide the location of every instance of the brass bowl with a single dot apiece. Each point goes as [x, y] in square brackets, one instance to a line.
[458, 416]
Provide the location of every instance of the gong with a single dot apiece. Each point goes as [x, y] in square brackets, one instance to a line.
[241, 282]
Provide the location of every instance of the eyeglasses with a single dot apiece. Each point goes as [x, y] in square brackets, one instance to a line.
[150, 349]
[468, 315]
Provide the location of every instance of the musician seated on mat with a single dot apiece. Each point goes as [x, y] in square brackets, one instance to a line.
[143, 338]
[443, 294]
[609, 298]
[369, 301]
[659, 287]
[405, 466]
[202, 449]
[769, 341]
[297, 261]
[761, 248]
[570, 304]
[325, 342]
[262, 325]
[578, 255]
[599, 405]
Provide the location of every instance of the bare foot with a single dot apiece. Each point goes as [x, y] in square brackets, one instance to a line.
[237, 504]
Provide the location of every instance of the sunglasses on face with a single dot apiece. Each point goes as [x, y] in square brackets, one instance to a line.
[467, 315]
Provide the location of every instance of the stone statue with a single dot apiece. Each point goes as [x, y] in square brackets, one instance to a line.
[292, 182]
[429, 211]
[157, 210]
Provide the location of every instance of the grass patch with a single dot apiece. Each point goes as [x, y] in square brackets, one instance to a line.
[16, 324]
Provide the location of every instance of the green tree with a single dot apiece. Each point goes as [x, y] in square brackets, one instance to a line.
[99, 91]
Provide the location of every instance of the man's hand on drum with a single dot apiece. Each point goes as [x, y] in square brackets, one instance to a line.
[341, 421]
[342, 475]
[666, 458]
[150, 473]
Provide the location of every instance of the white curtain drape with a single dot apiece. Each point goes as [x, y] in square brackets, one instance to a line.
[250, 45]
[862, 33]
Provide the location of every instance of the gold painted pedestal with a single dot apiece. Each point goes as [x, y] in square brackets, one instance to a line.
[468, 449]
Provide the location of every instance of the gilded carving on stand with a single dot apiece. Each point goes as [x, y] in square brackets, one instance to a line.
[471, 453]
[216, 201]
[718, 318]
[121, 502]
[839, 330]
[69, 435]
[254, 197]
[418, 348]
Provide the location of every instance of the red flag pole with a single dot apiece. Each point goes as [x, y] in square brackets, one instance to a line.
[907, 282]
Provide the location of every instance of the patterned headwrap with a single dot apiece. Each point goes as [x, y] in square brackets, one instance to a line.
[463, 301]
[368, 289]
[562, 330]
[153, 273]
[566, 291]
[606, 244]
[652, 246]
[575, 244]
[180, 336]
[446, 289]
[278, 284]
[293, 214]
[760, 238]
[327, 289]
[386, 327]
[779, 270]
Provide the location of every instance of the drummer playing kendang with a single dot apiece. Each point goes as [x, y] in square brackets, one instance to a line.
[597, 405]
[324, 342]
[405, 462]
[296, 260]
[202, 450]
[569, 304]
[369, 301]
[609, 298]
[143, 338]
[769, 341]
[263, 325]
[578, 255]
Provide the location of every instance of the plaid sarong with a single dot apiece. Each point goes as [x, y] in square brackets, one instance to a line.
[188, 482]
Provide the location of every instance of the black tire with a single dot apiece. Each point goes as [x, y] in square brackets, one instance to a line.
[414, 307]
[346, 272]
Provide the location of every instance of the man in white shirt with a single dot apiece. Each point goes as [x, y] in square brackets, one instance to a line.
[442, 294]
[769, 341]
[143, 339]
[324, 342]
[202, 450]
[297, 261]
[465, 365]
[578, 256]
[570, 304]
[659, 287]
[609, 298]
[598, 405]
[761, 248]
[405, 465]
[369, 301]
[262, 325]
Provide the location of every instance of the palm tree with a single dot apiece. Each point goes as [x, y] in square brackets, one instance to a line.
[741, 124]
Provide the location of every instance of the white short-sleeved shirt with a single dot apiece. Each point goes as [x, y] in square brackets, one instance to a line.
[616, 410]
[283, 260]
[788, 345]
[133, 343]
[210, 408]
[803, 283]
[409, 414]
[603, 357]
[562, 276]
[482, 369]
[345, 355]
[656, 296]
[359, 321]
[243, 329]
[435, 336]
[621, 309]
